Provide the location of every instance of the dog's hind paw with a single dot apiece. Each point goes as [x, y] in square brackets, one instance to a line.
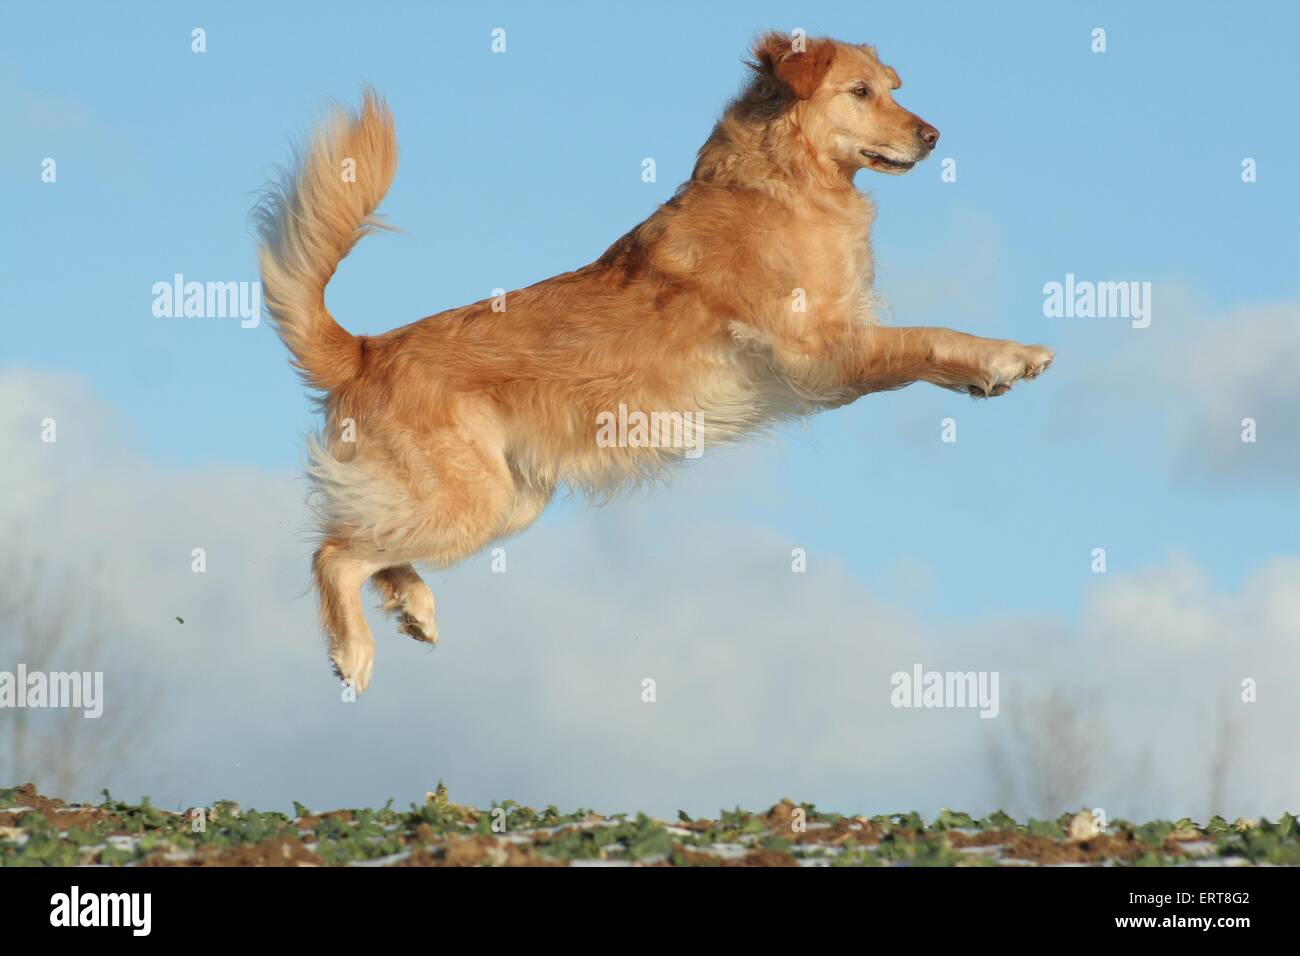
[425, 631]
[409, 600]
[353, 663]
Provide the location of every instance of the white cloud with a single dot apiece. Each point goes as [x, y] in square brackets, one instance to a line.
[769, 683]
[1242, 366]
[1191, 379]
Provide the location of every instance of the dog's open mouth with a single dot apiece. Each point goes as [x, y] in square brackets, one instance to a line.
[886, 161]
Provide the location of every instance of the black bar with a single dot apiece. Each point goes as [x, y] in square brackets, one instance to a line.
[338, 904]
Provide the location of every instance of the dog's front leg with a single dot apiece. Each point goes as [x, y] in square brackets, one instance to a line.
[884, 358]
[857, 359]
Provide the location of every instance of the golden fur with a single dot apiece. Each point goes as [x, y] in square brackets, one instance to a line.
[744, 299]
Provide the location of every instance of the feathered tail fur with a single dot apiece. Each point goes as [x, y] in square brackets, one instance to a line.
[310, 220]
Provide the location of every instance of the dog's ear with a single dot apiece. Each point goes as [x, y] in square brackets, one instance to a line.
[894, 81]
[800, 66]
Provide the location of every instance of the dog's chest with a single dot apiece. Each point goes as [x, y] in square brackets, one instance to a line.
[828, 251]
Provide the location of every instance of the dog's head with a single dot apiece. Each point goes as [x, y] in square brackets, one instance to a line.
[841, 96]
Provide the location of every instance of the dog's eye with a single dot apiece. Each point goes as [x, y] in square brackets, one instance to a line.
[861, 90]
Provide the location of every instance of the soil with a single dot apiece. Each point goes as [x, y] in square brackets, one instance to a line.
[442, 833]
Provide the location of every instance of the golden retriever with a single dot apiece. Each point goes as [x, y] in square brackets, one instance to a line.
[745, 299]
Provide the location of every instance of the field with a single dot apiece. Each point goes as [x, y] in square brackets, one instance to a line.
[39, 831]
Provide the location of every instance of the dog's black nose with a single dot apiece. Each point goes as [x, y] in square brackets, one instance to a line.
[928, 134]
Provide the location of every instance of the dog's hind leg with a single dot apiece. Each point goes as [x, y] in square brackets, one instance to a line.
[407, 596]
[339, 574]
[465, 498]
[529, 501]
[435, 498]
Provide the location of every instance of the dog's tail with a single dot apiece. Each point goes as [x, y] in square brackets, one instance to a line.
[309, 220]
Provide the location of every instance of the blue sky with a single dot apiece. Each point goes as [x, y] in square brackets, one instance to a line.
[1123, 165]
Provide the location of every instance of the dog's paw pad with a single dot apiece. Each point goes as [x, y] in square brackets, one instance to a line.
[424, 631]
[1011, 364]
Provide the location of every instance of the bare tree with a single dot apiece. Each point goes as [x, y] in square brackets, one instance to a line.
[55, 619]
[1225, 737]
[1051, 759]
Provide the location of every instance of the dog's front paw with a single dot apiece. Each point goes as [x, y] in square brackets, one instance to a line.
[1009, 363]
